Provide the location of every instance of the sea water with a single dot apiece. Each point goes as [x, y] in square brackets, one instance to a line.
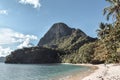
[37, 71]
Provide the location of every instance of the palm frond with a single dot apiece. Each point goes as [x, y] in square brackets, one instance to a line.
[109, 14]
[111, 1]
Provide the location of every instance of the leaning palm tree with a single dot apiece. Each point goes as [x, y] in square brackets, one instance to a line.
[113, 9]
[108, 32]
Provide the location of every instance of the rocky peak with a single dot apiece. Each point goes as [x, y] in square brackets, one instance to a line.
[57, 32]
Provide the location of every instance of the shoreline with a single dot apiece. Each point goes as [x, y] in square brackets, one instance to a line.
[82, 75]
[79, 75]
[97, 72]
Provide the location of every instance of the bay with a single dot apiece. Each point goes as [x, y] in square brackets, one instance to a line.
[37, 71]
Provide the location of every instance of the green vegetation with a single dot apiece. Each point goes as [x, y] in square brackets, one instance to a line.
[109, 34]
[38, 55]
[107, 47]
[83, 55]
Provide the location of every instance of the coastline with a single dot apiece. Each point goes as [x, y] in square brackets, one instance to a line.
[78, 75]
[97, 72]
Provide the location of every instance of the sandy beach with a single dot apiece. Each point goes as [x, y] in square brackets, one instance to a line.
[105, 72]
[97, 72]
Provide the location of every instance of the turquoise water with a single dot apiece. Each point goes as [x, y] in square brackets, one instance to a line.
[36, 71]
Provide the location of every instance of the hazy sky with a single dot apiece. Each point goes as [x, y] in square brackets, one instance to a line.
[23, 22]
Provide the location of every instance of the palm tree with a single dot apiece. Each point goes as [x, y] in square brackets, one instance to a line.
[108, 32]
[101, 31]
[104, 32]
[113, 9]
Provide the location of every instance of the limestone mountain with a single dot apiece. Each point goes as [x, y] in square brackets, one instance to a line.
[62, 36]
[59, 43]
[56, 32]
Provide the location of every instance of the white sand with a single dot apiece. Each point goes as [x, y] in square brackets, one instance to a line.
[105, 72]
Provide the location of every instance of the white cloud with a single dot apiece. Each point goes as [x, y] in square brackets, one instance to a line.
[35, 3]
[25, 43]
[8, 37]
[4, 51]
[5, 12]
